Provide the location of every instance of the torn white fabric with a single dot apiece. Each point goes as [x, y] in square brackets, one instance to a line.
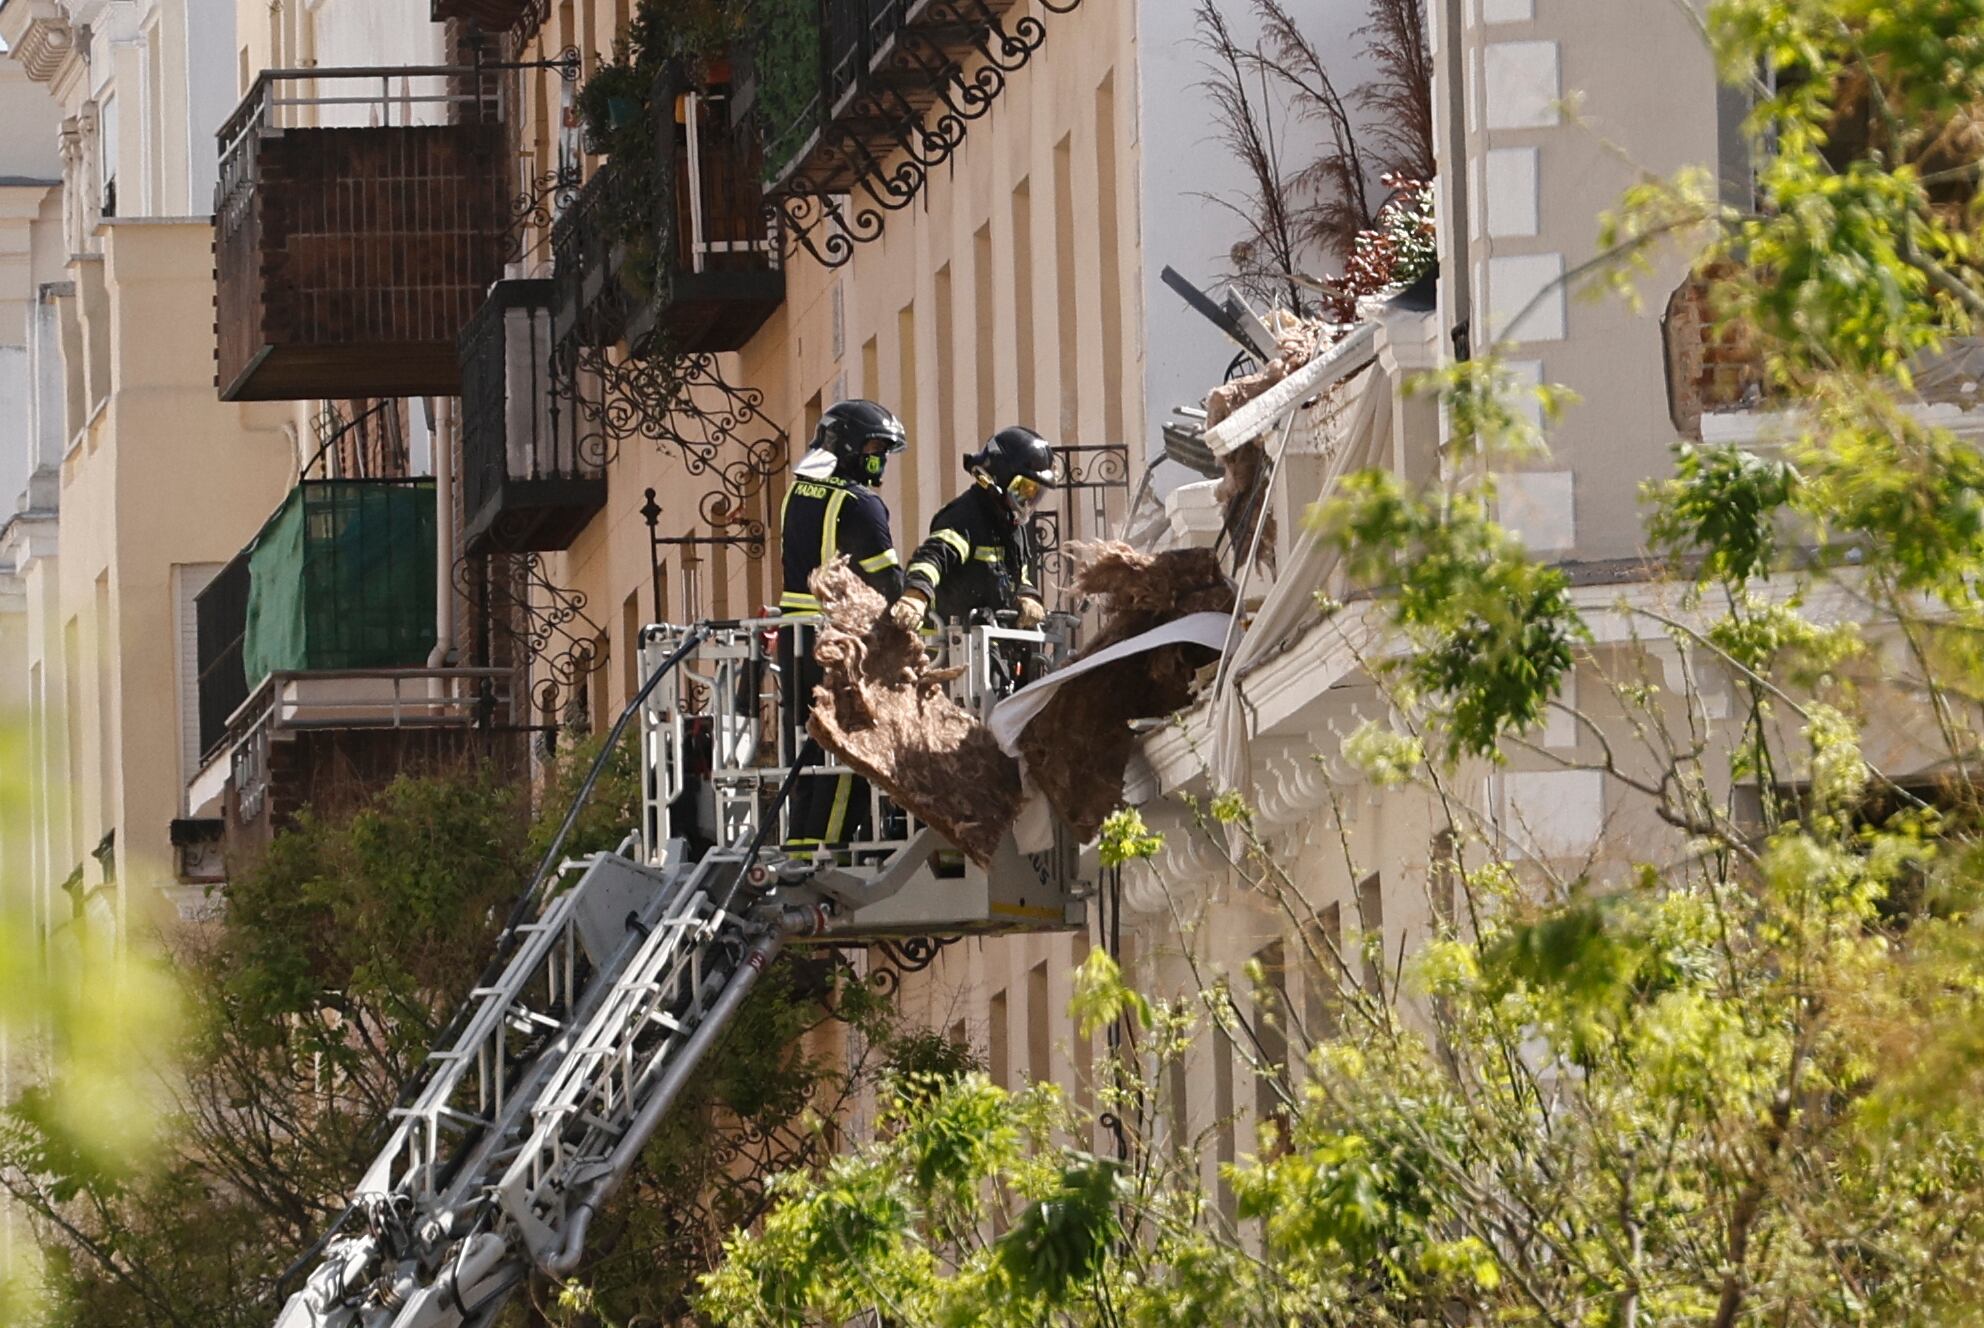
[1310, 568]
[1011, 716]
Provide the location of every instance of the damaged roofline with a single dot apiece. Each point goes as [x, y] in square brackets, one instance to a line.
[1317, 376]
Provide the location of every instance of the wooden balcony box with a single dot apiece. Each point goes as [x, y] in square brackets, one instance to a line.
[678, 254]
[360, 218]
[532, 473]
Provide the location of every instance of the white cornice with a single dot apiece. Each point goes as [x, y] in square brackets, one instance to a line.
[38, 34]
[27, 538]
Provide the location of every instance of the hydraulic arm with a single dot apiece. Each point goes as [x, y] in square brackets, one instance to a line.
[559, 1068]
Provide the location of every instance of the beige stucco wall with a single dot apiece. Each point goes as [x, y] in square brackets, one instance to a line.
[165, 475]
[1063, 140]
[1566, 103]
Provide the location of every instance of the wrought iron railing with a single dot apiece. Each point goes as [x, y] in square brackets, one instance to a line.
[357, 221]
[356, 441]
[352, 699]
[1089, 501]
[862, 99]
[369, 97]
[632, 244]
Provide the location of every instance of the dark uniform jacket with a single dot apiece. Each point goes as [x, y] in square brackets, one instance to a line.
[830, 516]
[974, 559]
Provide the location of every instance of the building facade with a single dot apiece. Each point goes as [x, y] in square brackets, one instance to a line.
[133, 440]
[455, 403]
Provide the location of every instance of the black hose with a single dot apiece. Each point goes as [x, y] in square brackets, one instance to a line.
[519, 912]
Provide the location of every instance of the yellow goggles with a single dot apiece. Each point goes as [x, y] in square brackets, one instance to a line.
[1024, 488]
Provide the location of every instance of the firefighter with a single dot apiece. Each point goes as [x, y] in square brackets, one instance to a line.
[833, 508]
[978, 558]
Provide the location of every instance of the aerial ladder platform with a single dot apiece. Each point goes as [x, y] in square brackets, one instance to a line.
[620, 970]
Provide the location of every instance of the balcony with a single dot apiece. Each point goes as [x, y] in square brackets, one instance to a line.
[529, 481]
[340, 577]
[313, 645]
[866, 97]
[677, 253]
[359, 219]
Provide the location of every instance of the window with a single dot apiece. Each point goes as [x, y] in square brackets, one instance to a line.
[155, 122]
[1065, 324]
[1271, 1029]
[630, 644]
[1039, 1042]
[1106, 229]
[1371, 922]
[1023, 301]
[985, 338]
[1322, 1005]
[947, 420]
[1222, 1107]
[106, 122]
[188, 580]
[905, 407]
[998, 1044]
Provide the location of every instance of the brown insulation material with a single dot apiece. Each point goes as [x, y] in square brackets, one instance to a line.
[882, 710]
[1078, 747]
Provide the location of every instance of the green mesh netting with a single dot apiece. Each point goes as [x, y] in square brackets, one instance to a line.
[342, 577]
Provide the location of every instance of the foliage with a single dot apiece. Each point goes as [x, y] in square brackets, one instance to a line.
[785, 53]
[343, 948]
[1723, 1069]
[1320, 201]
[621, 119]
[1492, 631]
[91, 1018]
[1400, 247]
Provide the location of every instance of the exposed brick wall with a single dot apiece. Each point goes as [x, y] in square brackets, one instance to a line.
[1707, 369]
[333, 770]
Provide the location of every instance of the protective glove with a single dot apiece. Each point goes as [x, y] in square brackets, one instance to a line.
[1031, 614]
[907, 611]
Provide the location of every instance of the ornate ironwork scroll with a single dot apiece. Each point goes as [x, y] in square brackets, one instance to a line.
[362, 442]
[743, 531]
[541, 626]
[1085, 476]
[899, 959]
[534, 210]
[680, 403]
[896, 102]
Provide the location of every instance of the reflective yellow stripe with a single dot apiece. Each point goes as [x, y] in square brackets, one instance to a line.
[886, 558]
[795, 599]
[955, 540]
[1027, 911]
[928, 571]
[988, 554]
[830, 527]
[837, 818]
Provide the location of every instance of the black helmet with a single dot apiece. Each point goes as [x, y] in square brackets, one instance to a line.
[847, 427]
[1015, 456]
